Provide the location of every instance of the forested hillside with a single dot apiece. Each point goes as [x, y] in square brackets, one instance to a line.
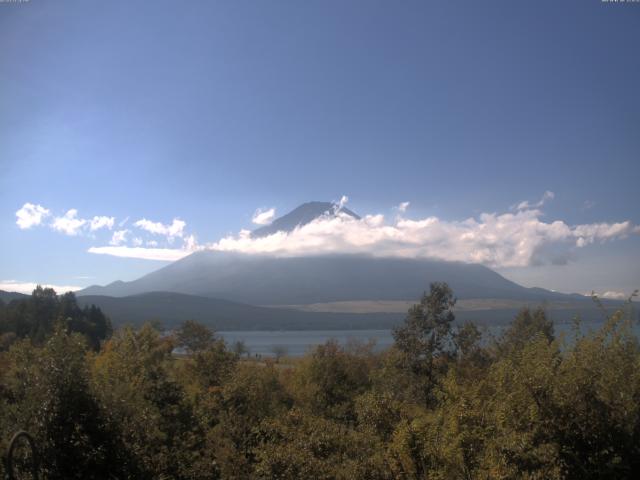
[441, 403]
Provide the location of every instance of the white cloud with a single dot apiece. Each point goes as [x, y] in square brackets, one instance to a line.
[403, 207]
[119, 237]
[28, 287]
[164, 254]
[175, 229]
[513, 239]
[69, 224]
[263, 217]
[190, 243]
[31, 215]
[96, 223]
[613, 295]
[116, 249]
[546, 196]
[497, 240]
[588, 234]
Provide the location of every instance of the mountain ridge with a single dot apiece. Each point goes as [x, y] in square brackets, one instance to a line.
[258, 279]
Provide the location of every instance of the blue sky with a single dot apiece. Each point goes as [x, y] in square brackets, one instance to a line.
[206, 111]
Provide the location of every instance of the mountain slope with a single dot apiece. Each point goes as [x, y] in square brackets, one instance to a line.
[305, 213]
[262, 280]
[6, 297]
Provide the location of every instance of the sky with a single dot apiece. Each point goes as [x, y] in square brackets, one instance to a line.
[499, 132]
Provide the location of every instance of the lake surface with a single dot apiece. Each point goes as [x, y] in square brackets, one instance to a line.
[298, 342]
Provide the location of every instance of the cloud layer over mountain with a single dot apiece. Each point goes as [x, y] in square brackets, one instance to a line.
[497, 240]
[517, 238]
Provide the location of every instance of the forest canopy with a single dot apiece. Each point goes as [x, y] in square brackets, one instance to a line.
[443, 402]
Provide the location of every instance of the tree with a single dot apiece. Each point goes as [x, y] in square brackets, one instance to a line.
[523, 329]
[251, 394]
[240, 348]
[35, 317]
[194, 336]
[327, 381]
[426, 337]
[50, 396]
[279, 351]
[298, 445]
[138, 388]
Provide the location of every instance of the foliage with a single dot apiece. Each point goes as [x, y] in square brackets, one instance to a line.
[442, 403]
[194, 337]
[36, 316]
[426, 340]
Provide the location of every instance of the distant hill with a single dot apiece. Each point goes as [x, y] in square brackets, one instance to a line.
[171, 309]
[6, 297]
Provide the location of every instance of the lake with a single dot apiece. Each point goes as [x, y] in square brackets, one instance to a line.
[298, 342]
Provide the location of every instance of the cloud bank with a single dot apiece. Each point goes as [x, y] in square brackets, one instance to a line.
[29, 287]
[614, 295]
[517, 239]
[162, 254]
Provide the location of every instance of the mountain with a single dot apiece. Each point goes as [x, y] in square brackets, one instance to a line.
[263, 280]
[267, 280]
[6, 297]
[305, 213]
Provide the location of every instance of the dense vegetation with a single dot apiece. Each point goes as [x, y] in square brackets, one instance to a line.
[442, 403]
[36, 316]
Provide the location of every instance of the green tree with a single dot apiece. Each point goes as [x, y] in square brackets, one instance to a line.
[327, 381]
[194, 336]
[135, 382]
[49, 395]
[425, 340]
[251, 394]
[526, 326]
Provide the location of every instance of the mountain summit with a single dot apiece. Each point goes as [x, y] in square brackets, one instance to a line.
[305, 213]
